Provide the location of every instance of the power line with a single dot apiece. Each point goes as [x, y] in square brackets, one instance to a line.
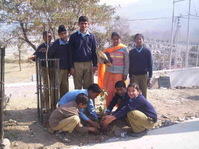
[149, 19]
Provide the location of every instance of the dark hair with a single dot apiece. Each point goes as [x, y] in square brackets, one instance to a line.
[134, 85]
[81, 98]
[83, 19]
[45, 33]
[115, 34]
[94, 88]
[61, 29]
[138, 35]
[120, 84]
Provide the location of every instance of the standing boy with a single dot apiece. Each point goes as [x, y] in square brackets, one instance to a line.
[140, 67]
[61, 50]
[83, 47]
[40, 54]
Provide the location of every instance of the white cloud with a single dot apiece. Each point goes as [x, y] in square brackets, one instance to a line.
[118, 2]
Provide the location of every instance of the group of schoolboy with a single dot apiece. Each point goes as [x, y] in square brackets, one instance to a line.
[76, 109]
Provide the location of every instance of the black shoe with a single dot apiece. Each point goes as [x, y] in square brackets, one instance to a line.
[138, 134]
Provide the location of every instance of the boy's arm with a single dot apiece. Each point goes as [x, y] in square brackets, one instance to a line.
[112, 104]
[130, 66]
[150, 64]
[126, 62]
[122, 112]
[51, 51]
[94, 55]
[70, 62]
[85, 118]
[91, 109]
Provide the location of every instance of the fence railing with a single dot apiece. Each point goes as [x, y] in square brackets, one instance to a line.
[2, 92]
[48, 91]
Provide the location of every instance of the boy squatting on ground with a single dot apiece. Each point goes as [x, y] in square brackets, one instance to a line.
[66, 117]
[87, 114]
[120, 98]
[141, 115]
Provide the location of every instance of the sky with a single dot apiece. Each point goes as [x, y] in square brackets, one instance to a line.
[146, 9]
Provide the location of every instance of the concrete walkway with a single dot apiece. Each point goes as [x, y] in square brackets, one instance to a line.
[180, 136]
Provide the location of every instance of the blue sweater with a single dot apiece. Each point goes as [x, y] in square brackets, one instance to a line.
[40, 53]
[83, 48]
[140, 62]
[139, 103]
[61, 52]
[71, 96]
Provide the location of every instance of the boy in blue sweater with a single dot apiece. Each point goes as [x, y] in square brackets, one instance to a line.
[140, 113]
[140, 64]
[83, 47]
[89, 114]
[61, 50]
[40, 54]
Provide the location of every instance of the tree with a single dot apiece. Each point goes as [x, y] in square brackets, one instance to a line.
[31, 17]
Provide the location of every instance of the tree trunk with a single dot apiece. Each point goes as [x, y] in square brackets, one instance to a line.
[25, 38]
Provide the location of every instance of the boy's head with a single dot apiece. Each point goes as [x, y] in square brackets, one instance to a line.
[81, 100]
[83, 23]
[47, 37]
[94, 90]
[139, 40]
[115, 37]
[120, 87]
[62, 32]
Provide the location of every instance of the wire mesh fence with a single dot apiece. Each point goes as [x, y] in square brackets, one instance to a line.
[48, 90]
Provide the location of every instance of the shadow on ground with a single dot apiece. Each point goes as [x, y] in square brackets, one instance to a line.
[193, 97]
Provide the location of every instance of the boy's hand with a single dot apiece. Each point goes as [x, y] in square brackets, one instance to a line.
[94, 124]
[72, 71]
[124, 77]
[32, 58]
[94, 69]
[106, 120]
[92, 129]
[149, 83]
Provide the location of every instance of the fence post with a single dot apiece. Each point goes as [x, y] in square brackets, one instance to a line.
[4, 143]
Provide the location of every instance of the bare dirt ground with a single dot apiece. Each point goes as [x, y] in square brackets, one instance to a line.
[23, 130]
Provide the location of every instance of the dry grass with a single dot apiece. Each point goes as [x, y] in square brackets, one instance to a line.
[14, 75]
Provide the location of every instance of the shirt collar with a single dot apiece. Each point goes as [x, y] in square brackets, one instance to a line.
[62, 42]
[83, 34]
[139, 49]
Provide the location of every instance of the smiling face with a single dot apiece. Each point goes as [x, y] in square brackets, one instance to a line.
[120, 90]
[116, 40]
[139, 41]
[83, 26]
[132, 92]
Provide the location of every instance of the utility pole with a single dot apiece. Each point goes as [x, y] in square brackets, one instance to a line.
[172, 29]
[187, 37]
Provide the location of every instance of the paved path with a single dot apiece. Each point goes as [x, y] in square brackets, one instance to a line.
[180, 136]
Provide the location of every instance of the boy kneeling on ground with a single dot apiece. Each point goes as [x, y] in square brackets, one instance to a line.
[141, 115]
[66, 117]
[120, 98]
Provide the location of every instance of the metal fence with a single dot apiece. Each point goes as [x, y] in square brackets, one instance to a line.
[2, 94]
[48, 90]
[163, 59]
